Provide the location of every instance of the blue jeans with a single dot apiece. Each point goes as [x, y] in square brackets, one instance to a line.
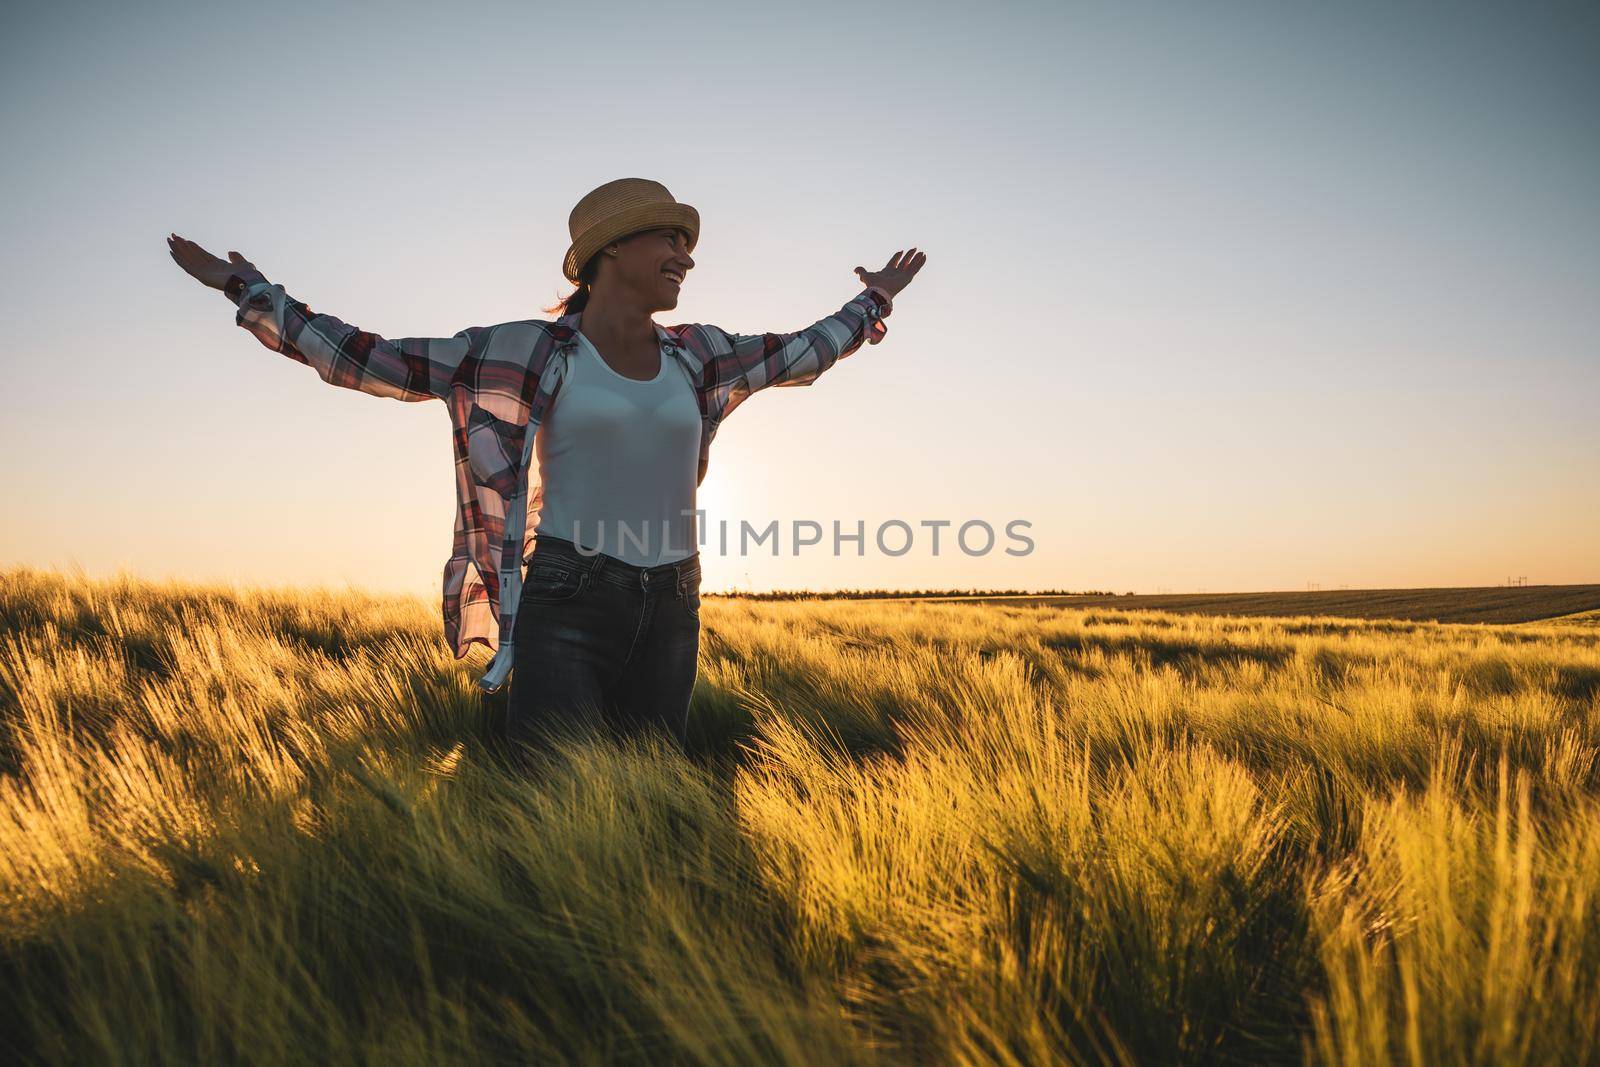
[602, 643]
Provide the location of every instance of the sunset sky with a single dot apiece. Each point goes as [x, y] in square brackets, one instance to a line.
[1230, 296]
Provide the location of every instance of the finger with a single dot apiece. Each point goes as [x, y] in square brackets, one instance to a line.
[893, 260]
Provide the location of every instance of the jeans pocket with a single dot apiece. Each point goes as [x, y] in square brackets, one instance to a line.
[553, 581]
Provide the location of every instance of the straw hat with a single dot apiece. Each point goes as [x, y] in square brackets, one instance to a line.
[617, 209]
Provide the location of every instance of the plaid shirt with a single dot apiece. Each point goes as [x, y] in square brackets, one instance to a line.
[498, 382]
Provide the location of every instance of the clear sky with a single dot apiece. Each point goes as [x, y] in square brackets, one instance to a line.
[1218, 296]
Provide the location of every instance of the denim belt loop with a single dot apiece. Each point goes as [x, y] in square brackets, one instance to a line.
[681, 570]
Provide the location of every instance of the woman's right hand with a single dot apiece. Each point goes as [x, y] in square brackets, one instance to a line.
[202, 265]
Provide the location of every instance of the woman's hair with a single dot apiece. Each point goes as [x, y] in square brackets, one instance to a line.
[578, 299]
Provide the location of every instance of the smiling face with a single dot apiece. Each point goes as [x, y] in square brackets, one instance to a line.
[650, 267]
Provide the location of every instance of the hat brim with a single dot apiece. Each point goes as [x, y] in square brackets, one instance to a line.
[628, 221]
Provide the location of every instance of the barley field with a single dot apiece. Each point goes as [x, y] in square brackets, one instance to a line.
[275, 826]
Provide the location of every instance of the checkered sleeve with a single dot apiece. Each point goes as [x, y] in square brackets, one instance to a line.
[747, 363]
[408, 368]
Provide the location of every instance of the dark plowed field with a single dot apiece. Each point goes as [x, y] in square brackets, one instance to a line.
[1494, 604]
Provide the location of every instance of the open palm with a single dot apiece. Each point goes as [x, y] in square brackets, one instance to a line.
[897, 273]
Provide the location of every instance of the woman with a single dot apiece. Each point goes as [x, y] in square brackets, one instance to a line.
[597, 495]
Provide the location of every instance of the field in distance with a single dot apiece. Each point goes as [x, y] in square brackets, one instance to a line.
[1491, 604]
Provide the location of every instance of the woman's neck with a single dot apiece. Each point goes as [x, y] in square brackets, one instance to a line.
[617, 325]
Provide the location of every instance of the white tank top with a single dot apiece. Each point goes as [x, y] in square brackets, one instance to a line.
[618, 459]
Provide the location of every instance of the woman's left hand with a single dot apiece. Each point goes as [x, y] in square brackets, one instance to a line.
[897, 273]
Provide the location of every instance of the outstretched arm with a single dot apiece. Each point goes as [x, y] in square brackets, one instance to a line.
[408, 368]
[742, 364]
